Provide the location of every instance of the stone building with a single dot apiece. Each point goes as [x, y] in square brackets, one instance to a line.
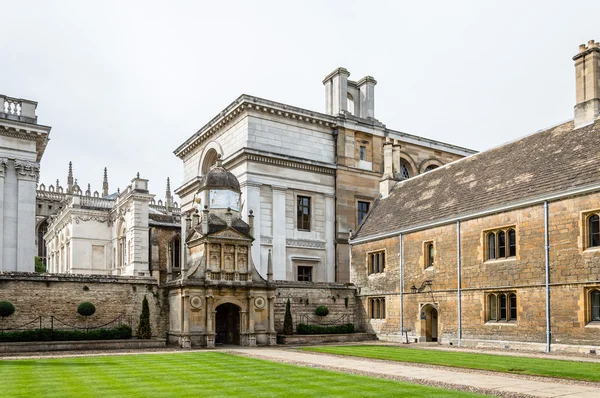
[22, 144]
[309, 177]
[498, 249]
[220, 298]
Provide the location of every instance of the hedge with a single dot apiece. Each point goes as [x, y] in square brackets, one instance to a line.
[322, 310]
[118, 333]
[315, 329]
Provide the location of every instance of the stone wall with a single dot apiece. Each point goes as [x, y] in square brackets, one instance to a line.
[45, 295]
[306, 297]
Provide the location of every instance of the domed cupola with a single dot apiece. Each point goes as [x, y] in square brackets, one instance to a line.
[219, 189]
[220, 179]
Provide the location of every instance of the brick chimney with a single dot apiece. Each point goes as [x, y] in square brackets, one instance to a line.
[587, 84]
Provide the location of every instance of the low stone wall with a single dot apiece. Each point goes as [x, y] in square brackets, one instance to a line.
[39, 346]
[47, 295]
[314, 339]
[306, 296]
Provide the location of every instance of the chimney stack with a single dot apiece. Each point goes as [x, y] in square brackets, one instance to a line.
[366, 87]
[388, 180]
[336, 91]
[587, 84]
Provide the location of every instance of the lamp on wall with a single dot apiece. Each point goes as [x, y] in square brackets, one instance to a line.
[419, 289]
[413, 289]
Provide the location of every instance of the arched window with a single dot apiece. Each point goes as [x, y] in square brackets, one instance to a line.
[493, 308]
[430, 253]
[209, 161]
[175, 252]
[512, 243]
[350, 104]
[431, 167]
[501, 244]
[491, 246]
[595, 305]
[594, 231]
[512, 304]
[404, 169]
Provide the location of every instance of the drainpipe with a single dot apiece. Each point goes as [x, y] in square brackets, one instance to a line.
[547, 255]
[335, 217]
[401, 287]
[458, 282]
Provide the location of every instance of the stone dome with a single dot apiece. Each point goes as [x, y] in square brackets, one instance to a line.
[219, 178]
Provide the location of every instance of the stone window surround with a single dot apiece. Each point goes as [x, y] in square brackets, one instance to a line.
[584, 230]
[485, 241]
[588, 306]
[368, 262]
[376, 309]
[426, 257]
[304, 261]
[497, 321]
[171, 256]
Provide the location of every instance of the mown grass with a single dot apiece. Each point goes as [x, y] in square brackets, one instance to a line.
[589, 371]
[200, 374]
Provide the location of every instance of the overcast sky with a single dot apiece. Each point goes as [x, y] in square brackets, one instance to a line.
[124, 83]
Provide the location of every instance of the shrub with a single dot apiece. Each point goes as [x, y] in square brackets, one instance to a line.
[6, 309]
[86, 309]
[322, 310]
[288, 323]
[144, 331]
[39, 265]
[118, 333]
[303, 328]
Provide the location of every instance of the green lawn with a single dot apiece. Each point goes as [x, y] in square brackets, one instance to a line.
[498, 363]
[199, 374]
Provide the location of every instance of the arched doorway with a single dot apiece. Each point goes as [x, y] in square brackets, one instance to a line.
[429, 323]
[227, 324]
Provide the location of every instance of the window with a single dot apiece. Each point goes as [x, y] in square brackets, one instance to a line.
[363, 152]
[498, 246]
[175, 252]
[430, 167]
[595, 305]
[404, 170]
[376, 262]
[304, 273]
[350, 104]
[303, 218]
[594, 231]
[502, 307]
[429, 254]
[362, 210]
[377, 307]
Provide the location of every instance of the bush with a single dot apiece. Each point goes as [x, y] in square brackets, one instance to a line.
[288, 323]
[39, 265]
[321, 310]
[144, 331]
[86, 309]
[6, 309]
[118, 333]
[303, 328]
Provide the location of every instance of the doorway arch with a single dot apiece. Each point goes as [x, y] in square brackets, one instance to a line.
[429, 323]
[227, 324]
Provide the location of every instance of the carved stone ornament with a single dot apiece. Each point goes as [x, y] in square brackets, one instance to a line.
[92, 218]
[27, 170]
[3, 164]
[260, 302]
[196, 302]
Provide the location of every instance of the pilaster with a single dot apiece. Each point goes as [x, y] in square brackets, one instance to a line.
[27, 175]
[330, 237]
[3, 166]
[279, 233]
[251, 193]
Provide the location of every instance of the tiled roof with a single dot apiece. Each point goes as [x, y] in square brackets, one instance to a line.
[550, 161]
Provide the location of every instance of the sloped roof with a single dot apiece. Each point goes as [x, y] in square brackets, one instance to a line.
[550, 161]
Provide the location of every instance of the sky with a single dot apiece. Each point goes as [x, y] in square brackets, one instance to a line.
[124, 83]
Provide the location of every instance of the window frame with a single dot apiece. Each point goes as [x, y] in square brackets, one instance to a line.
[590, 294]
[358, 203]
[589, 233]
[501, 307]
[376, 262]
[300, 226]
[362, 152]
[376, 308]
[428, 257]
[499, 245]
[303, 275]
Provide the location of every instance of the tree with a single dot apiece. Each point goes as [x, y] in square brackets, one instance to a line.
[144, 331]
[39, 265]
[288, 323]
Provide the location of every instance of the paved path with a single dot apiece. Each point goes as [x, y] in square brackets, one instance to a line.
[497, 381]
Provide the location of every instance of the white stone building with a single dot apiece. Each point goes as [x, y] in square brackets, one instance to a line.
[289, 162]
[22, 144]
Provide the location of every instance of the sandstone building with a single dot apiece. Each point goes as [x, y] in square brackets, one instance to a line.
[309, 177]
[501, 248]
[22, 144]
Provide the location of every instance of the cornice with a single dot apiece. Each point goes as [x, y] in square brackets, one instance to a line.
[246, 155]
[248, 103]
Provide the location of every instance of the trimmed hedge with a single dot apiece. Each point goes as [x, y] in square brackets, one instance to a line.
[321, 310]
[316, 329]
[6, 308]
[118, 333]
[86, 309]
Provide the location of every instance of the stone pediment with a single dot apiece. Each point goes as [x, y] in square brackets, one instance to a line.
[229, 233]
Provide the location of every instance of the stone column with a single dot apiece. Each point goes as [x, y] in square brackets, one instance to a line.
[27, 176]
[186, 341]
[251, 196]
[330, 265]
[3, 165]
[272, 333]
[280, 266]
[210, 318]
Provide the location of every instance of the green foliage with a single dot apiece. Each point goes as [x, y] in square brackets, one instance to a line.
[321, 310]
[39, 265]
[288, 323]
[6, 308]
[316, 329]
[144, 331]
[86, 309]
[118, 333]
